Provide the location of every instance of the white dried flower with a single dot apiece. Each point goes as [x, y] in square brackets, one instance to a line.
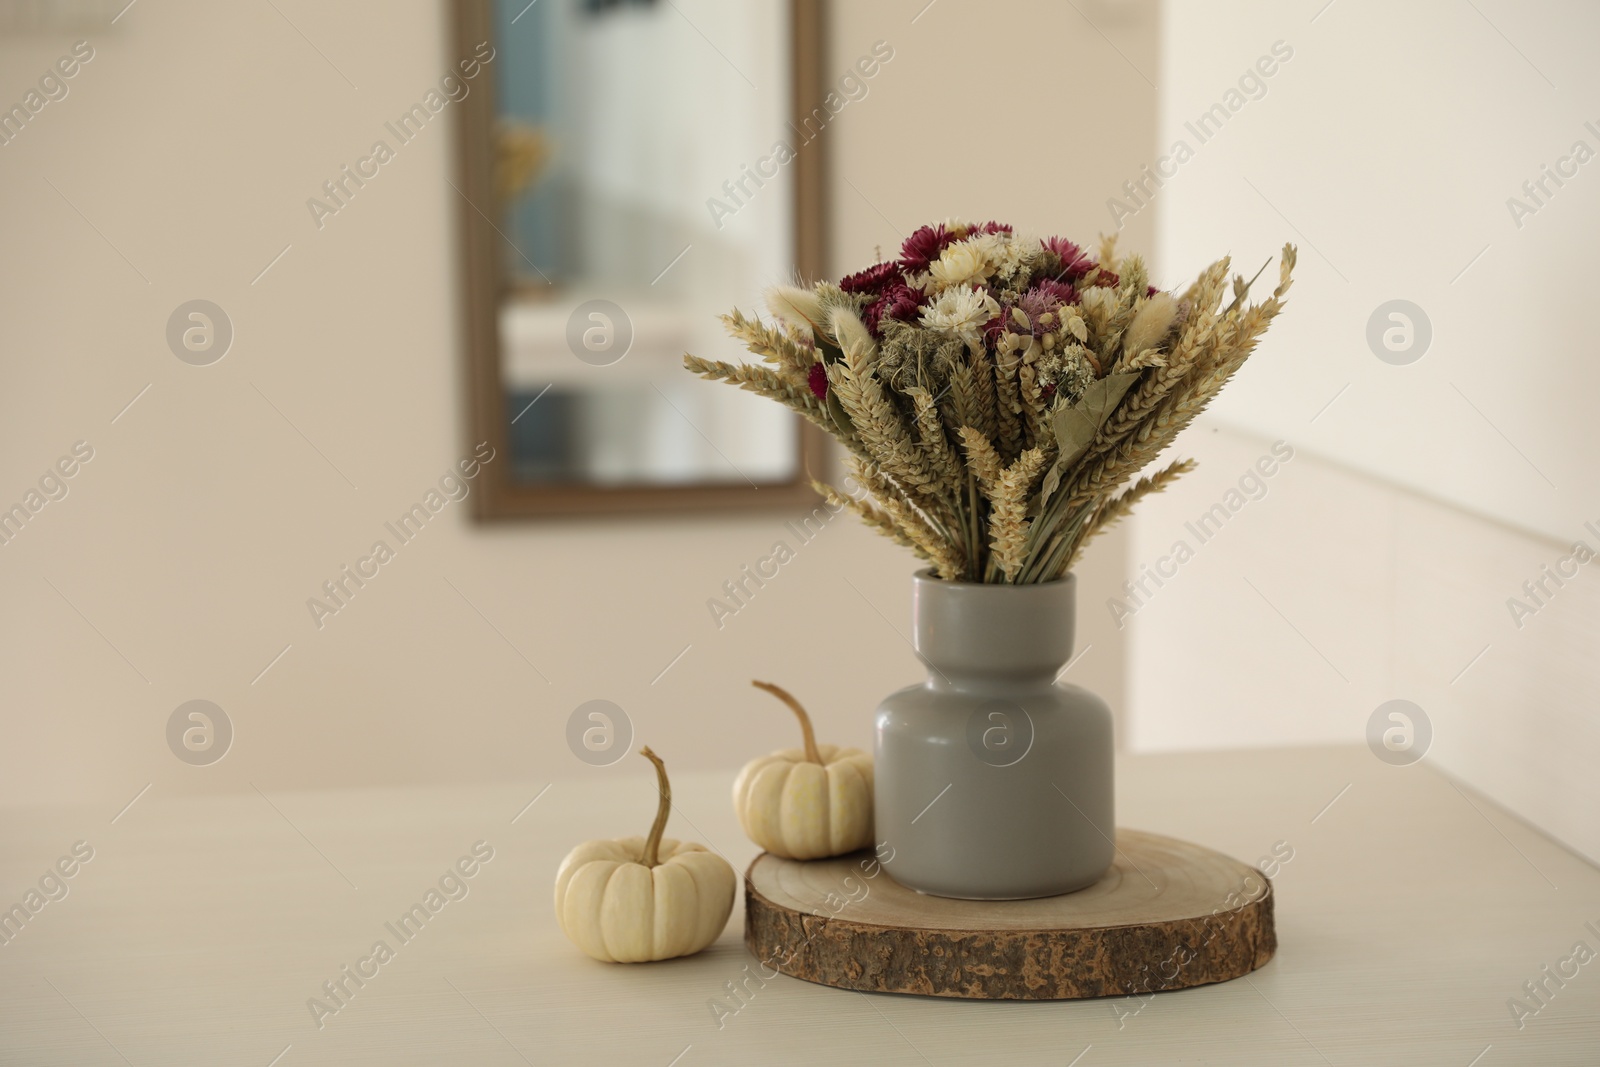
[962, 311]
[961, 263]
[1002, 252]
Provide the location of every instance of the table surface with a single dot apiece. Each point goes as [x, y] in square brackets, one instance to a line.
[1410, 914]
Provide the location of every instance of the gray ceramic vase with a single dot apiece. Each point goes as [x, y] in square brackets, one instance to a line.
[992, 781]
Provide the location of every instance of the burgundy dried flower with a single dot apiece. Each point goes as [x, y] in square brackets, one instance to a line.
[899, 301]
[1074, 262]
[1063, 293]
[818, 380]
[871, 280]
[996, 326]
[992, 227]
[1062, 247]
[923, 247]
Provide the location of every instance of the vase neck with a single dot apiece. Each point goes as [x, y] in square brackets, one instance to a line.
[992, 638]
[1018, 684]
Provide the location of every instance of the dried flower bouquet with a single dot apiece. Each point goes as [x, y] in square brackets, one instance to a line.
[996, 393]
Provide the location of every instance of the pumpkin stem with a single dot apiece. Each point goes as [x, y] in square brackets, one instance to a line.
[652, 844]
[812, 755]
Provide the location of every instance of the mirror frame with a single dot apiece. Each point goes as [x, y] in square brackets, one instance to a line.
[501, 497]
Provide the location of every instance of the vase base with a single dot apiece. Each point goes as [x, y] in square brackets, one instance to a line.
[1168, 915]
[937, 895]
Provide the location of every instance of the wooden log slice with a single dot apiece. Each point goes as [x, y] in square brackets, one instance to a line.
[1168, 915]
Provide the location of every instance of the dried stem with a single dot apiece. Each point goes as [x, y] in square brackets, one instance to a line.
[652, 844]
[812, 755]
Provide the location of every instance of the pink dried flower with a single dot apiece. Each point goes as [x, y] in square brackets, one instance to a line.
[1035, 304]
[818, 380]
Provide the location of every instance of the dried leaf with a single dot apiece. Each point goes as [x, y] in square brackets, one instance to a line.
[1075, 427]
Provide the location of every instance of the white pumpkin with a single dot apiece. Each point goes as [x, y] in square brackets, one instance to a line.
[806, 803]
[639, 899]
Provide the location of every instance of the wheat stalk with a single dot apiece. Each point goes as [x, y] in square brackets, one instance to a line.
[935, 445]
[766, 382]
[874, 517]
[771, 344]
[1008, 530]
[1008, 402]
[923, 531]
[983, 460]
[1113, 510]
[884, 434]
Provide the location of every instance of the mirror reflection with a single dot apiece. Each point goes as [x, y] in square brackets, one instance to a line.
[618, 124]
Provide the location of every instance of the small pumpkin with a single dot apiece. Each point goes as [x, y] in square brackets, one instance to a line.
[640, 899]
[806, 803]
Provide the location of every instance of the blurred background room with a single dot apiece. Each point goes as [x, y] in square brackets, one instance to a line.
[1420, 498]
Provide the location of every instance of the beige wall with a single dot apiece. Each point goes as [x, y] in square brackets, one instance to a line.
[1380, 563]
[179, 564]
[1390, 148]
[1332, 593]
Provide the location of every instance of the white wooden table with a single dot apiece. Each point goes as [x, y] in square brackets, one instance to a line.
[1409, 915]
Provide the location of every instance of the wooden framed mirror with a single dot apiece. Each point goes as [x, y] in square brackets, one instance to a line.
[621, 184]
